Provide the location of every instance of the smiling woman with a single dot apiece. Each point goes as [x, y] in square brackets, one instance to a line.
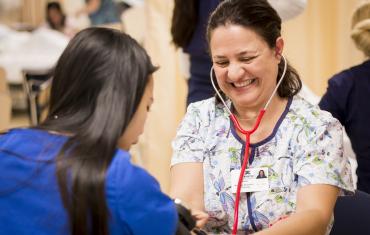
[298, 146]
[245, 67]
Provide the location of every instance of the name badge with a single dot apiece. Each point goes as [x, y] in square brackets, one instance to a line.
[254, 180]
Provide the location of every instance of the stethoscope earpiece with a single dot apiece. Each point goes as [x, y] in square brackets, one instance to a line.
[247, 134]
[269, 100]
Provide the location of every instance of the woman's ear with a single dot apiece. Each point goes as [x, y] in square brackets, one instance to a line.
[279, 46]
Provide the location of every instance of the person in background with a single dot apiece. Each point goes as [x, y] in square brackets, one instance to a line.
[101, 12]
[299, 145]
[188, 31]
[56, 19]
[346, 97]
[72, 173]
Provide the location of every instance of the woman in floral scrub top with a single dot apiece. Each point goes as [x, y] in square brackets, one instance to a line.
[300, 145]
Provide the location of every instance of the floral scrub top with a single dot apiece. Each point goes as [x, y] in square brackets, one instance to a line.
[304, 148]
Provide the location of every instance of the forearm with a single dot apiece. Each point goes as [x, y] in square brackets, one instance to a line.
[310, 222]
[187, 199]
[187, 184]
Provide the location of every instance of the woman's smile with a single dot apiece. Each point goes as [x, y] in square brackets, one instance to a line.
[244, 84]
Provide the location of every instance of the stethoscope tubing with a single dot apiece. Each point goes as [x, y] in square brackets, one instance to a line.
[247, 134]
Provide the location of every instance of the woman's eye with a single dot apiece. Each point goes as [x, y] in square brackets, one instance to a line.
[247, 59]
[221, 63]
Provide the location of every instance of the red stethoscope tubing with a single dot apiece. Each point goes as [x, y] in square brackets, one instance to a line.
[247, 138]
[245, 162]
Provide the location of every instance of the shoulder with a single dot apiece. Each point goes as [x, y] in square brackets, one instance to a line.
[203, 106]
[31, 142]
[197, 115]
[202, 116]
[206, 109]
[137, 199]
[304, 113]
[347, 77]
[126, 174]
[343, 79]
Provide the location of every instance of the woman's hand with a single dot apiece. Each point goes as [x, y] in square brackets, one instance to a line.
[201, 218]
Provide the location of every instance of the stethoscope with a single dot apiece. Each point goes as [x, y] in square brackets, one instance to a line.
[247, 134]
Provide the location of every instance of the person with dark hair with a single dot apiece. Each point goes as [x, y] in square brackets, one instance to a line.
[257, 122]
[346, 94]
[56, 19]
[188, 29]
[55, 16]
[72, 173]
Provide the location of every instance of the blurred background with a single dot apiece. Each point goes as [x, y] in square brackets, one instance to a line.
[317, 43]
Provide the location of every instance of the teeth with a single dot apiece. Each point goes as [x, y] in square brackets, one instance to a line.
[243, 83]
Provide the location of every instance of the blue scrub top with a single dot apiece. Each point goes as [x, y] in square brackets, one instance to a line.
[199, 84]
[198, 42]
[106, 14]
[30, 202]
[347, 99]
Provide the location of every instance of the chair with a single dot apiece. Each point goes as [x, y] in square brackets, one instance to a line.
[352, 215]
[37, 86]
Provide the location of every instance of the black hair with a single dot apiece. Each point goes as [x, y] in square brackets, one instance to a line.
[58, 7]
[259, 16]
[98, 83]
[184, 20]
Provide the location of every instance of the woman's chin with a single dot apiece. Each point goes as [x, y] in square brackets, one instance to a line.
[244, 100]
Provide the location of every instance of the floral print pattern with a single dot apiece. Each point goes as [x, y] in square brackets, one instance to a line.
[304, 148]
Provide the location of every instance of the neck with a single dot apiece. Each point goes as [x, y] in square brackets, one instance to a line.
[250, 112]
[247, 116]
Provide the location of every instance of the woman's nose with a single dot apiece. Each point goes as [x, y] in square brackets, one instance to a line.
[235, 72]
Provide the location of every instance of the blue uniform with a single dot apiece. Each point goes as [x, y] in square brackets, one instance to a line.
[106, 14]
[199, 84]
[347, 99]
[30, 201]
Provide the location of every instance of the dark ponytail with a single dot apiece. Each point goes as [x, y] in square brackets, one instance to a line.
[184, 20]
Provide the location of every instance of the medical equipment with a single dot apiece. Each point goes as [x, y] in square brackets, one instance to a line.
[247, 134]
[187, 222]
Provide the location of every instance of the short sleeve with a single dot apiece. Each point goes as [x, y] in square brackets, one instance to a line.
[188, 145]
[141, 205]
[337, 94]
[321, 160]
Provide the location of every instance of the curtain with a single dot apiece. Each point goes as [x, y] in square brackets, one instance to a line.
[169, 91]
[33, 12]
